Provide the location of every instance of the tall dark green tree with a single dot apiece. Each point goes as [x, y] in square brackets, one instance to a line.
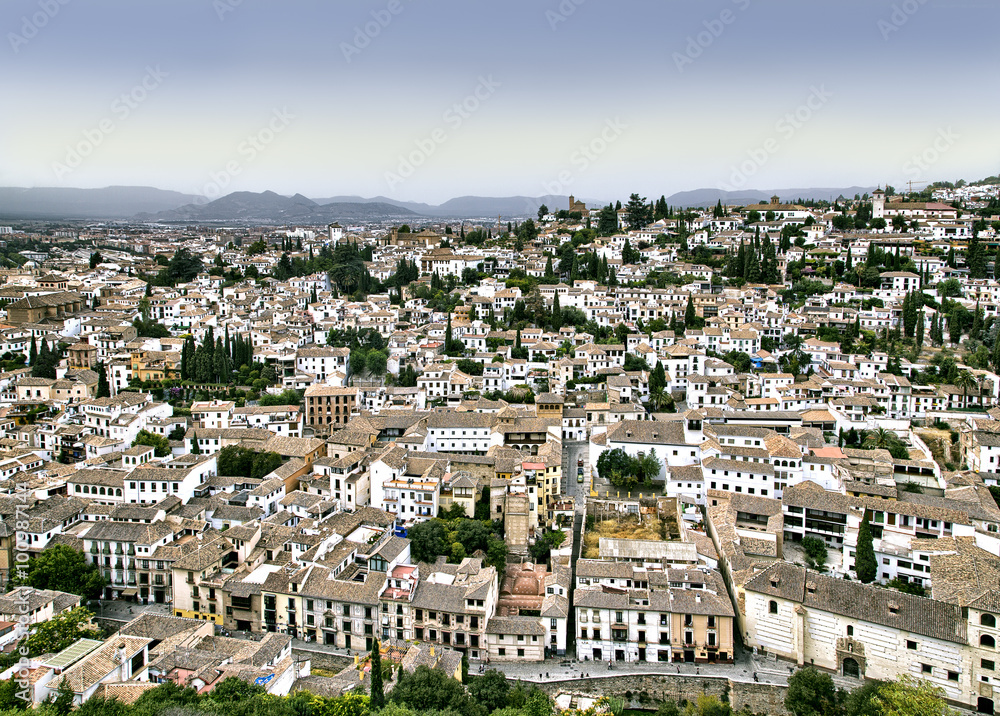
[607, 221]
[865, 563]
[689, 313]
[976, 257]
[637, 213]
[103, 388]
[377, 701]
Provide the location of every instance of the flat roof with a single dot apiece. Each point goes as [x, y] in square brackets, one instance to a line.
[73, 653]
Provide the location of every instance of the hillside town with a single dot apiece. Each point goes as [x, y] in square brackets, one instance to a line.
[754, 437]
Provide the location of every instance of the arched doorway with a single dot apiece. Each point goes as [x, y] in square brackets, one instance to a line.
[984, 705]
[850, 668]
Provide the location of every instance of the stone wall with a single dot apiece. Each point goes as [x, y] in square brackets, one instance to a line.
[323, 660]
[757, 698]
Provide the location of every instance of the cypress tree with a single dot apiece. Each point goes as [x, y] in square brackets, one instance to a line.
[689, 312]
[33, 351]
[103, 387]
[377, 701]
[865, 564]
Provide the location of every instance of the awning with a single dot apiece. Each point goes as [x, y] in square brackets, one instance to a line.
[130, 592]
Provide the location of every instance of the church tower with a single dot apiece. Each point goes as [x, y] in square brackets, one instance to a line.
[878, 204]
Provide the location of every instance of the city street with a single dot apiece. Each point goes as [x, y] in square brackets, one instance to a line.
[572, 452]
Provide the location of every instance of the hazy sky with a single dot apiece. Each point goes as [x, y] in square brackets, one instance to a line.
[426, 100]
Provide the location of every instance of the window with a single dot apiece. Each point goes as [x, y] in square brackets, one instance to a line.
[850, 631]
[986, 664]
[952, 676]
[988, 620]
[911, 644]
[987, 641]
[926, 669]
[773, 607]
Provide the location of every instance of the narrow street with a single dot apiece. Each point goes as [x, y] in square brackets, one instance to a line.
[572, 454]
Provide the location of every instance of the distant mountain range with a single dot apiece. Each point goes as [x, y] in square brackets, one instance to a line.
[113, 202]
[709, 197]
[156, 205]
[483, 207]
[270, 208]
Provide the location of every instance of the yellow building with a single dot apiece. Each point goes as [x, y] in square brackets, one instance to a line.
[192, 599]
[155, 365]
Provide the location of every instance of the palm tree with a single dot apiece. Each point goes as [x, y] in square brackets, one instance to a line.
[657, 400]
[880, 438]
[965, 380]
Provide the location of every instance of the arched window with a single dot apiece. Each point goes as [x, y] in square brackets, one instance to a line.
[773, 607]
[988, 620]
[987, 640]
[102, 491]
[118, 492]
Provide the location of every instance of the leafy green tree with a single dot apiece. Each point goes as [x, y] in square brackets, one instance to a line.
[496, 554]
[183, 266]
[285, 397]
[614, 465]
[62, 704]
[865, 563]
[264, 464]
[9, 699]
[95, 259]
[430, 689]
[427, 541]
[61, 631]
[490, 690]
[376, 363]
[812, 693]
[907, 696]
[815, 550]
[160, 443]
[63, 569]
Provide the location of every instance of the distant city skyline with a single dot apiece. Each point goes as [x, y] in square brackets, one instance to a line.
[425, 102]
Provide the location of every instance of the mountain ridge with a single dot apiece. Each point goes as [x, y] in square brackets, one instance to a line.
[140, 203]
